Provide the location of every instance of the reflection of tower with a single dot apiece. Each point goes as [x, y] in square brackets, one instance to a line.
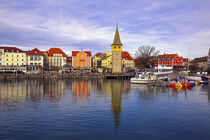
[117, 54]
[81, 88]
[117, 101]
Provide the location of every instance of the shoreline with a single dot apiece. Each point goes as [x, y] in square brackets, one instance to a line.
[62, 76]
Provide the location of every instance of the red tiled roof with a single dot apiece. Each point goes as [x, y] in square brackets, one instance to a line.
[53, 51]
[74, 53]
[126, 55]
[11, 49]
[98, 54]
[69, 59]
[184, 59]
[166, 56]
[35, 52]
[201, 59]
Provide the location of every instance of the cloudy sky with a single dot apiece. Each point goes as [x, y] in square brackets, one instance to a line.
[173, 26]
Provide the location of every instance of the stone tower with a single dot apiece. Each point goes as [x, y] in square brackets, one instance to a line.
[117, 54]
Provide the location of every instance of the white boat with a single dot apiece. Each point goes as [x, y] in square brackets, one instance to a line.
[152, 75]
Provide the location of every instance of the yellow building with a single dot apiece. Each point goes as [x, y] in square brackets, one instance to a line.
[106, 62]
[12, 59]
[95, 60]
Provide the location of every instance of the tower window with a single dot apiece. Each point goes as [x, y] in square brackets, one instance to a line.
[118, 47]
[115, 47]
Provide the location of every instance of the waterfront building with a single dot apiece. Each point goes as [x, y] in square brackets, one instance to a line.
[69, 61]
[81, 60]
[169, 60]
[127, 60]
[106, 61]
[185, 62]
[35, 60]
[117, 54]
[95, 59]
[68, 66]
[208, 60]
[201, 64]
[12, 59]
[57, 58]
[46, 59]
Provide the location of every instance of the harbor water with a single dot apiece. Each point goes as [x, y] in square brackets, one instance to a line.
[101, 109]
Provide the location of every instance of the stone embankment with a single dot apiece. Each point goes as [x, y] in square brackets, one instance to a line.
[63, 76]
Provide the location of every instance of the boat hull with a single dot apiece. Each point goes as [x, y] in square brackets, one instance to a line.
[140, 81]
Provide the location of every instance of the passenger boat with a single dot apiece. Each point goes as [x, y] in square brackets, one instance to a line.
[152, 75]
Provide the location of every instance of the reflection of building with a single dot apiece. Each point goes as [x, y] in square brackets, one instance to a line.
[55, 89]
[81, 88]
[116, 100]
[13, 92]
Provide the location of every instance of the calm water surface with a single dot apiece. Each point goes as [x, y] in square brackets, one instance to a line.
[103, 109]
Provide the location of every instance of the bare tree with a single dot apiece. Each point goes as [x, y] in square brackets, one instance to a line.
[146, 55]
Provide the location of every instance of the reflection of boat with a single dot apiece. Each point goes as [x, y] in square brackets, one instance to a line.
[152, 75]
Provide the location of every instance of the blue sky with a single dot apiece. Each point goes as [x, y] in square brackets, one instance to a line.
[173, 26]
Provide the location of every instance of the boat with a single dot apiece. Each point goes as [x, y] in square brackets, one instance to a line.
[151, 75]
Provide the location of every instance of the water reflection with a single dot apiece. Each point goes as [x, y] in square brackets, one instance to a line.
[116, 101]
[13, 92]
[81, 88]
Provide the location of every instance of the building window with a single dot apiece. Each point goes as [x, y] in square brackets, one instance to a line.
[17, 55]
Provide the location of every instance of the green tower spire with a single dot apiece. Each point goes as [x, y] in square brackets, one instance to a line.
[117, 37]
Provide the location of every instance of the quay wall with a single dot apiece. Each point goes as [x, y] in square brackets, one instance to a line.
[62, 76]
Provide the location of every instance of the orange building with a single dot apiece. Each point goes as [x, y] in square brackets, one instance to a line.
[81, 60]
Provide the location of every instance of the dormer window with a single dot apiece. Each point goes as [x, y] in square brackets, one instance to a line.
[36, 51]
[17, 50]
[12, 50]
